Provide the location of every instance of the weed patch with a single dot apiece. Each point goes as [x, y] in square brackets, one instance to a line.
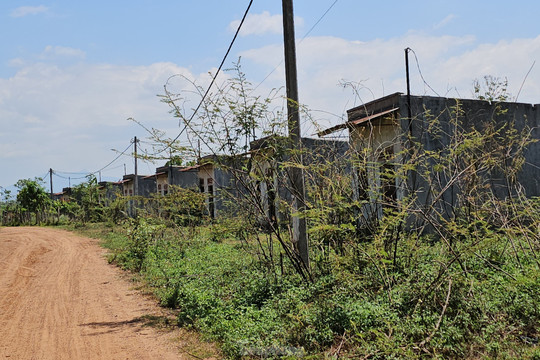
[361, 306]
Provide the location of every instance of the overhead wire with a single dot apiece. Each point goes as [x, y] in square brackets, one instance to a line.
[114, 168]
[69, 177]
[70, 173]
[301, 40]
[116, 158]
[420, 72]
[58, 173]
[44, 176]
[211, 83]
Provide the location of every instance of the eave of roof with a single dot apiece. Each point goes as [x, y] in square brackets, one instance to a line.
[189, 168]
[372, 117]
[376, 105]
[357, 122]
[155, 175]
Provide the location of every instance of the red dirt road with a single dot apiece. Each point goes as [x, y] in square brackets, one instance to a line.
[59, 299]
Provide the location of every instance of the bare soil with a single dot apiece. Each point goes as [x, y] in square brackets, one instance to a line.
[60, 299]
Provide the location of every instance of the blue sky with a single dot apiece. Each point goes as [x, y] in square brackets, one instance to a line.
[72, 72]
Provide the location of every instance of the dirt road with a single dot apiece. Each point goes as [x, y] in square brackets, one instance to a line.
[59, 299]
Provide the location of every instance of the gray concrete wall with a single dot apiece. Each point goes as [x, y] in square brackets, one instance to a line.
[180, 176]
[147, 186]
[315, 151]
[184, 179]
[109, 190]
[433, 126]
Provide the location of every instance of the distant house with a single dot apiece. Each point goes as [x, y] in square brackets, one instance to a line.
[269, 154]
[109, 190]
[387, 130]
[63, 196]
[146, 185]
[212, 176]
[182, 176]
[218, 180]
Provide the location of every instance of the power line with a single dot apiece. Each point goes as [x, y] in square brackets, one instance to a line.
[116, 167]
[116, 158]
[69, 177]
[525, 79]
[57, 172]
[44, 176]
[69, 173]
[211, 83]
[301, 40]
[320, 19]
[420, 72]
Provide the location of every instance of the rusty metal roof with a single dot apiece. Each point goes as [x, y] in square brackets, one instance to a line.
[362, 120]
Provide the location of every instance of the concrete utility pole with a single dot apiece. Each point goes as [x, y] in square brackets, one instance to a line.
[136, 180]
[297, 177]
[50, 180]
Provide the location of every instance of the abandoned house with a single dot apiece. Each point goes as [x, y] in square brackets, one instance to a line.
[108, 191]
[146, 185]
[62, 196]
[182, 176]
[396, 130]
[270, 160]
[219, 181]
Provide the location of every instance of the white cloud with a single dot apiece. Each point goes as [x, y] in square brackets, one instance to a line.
[70, 117]
[61, 51]
[28, 10]
[510, 59]
[448, 19]
[260, 24]
[448, 64]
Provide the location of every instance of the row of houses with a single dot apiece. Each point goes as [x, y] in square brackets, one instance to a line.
[220, 177]
[384, 128]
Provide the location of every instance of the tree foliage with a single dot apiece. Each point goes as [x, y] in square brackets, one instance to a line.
[32, 197]
[491, 89]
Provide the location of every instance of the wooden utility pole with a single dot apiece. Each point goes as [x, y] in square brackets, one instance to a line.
[297, 177]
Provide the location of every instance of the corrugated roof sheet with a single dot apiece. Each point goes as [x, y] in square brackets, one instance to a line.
[356, 122]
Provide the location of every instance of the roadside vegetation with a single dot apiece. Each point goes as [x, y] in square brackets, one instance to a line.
[430, 280]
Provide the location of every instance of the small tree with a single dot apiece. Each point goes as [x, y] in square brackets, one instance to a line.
[8, 207]
[32, 197]
[87, 196]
